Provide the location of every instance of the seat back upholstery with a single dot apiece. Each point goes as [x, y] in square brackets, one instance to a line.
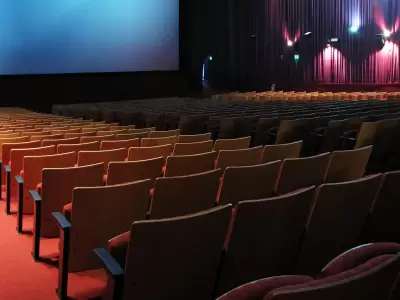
[6, 153]
[367, 134]
[105, 156]
[103, 133]
[65, 131]
[375, 283]
[195, 138]
[14, 140]
[241, 157]
[65, 148]
[11, 134]
[130, 171]
[17, 162]
[193, 148]
[232, 144]
[338, 217]
[88, 139]
[101, 213]
[161, 134]
[56, 142]
[79, 134]
[384, 223]
[151, 142]
[281, 151]
[143, 153]
[33, 167]
[313, 170]
[193, 277]
[182, 165]
[57, 187]
[248, 183]
[178, 196]
[47, 137]
[131, 136]
[110, 145]
[348, 165]
[272, 230]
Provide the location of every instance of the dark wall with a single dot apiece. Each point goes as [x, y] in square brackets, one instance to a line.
[41, 91]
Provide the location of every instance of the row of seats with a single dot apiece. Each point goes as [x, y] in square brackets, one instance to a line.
[301, 230]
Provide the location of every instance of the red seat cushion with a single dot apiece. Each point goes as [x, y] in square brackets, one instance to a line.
[372, 263]
[67, 211]
[118, 247]
[256, 290]
[39, 188]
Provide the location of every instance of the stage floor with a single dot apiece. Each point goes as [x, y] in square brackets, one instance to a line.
[341, 87]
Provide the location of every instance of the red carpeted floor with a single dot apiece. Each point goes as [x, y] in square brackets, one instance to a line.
[23, 279]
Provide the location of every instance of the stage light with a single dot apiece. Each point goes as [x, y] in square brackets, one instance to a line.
[296, 57]
[210, 58]
[289, 43]
[386, 33]
[354, 28]
[307, 33]
[334, 40]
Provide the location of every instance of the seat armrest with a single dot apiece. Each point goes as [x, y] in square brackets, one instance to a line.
[19, 179]
[109, 262]
[347, 138]
[7, 168]
[35, 195]
[62, 222]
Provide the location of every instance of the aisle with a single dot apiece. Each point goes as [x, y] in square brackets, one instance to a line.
[23, 279]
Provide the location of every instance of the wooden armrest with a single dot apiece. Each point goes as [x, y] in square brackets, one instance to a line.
[109, 262]
[19, 179]
[35, 195]
[62, 222]
[7, 168]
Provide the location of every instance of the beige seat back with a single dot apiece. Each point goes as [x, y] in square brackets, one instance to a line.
[151, 142]
[105, 156]
[232, 144]
[143, 153]
[193, 148]
[242, 157]
[179, 196]
[57, 142]
[248, 183]
[64, 148]
[181, 165]
[110, 145]
[101, 213]
[161, 134]
[130, 171]
[195, 138]
[281, 151]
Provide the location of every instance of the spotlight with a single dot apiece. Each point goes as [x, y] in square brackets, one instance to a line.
[386, 33]
[334, 40]
[307, 33]
[289, 43]
[354, 28]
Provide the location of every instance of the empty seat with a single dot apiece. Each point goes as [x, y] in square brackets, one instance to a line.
[65, 131]
[298, 173]
[348, 165]
[105, 156]
[193, 148]
[96, 214]
[243, 157]
[161, 134]
[73, 135]
[131, 136]
[195, 138]
[130, 171]
[181, 165]
[88, 139]
[178, 196]
[103, 133]
[336, 224]
[248, 183]
[142, 153]
[109, 145]
[32, 176]
[64, 148]
[281, 151]
[265, 238]
[56, 142]
[232, 144]
[190, 268]
[384, 224]
[151, 142]
[55, 192]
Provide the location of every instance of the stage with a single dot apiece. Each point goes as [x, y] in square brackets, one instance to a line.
[339, 87]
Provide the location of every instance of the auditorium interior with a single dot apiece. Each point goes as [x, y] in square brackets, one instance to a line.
[119, 120]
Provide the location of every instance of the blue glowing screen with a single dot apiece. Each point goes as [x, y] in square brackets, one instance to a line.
[75, 36]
